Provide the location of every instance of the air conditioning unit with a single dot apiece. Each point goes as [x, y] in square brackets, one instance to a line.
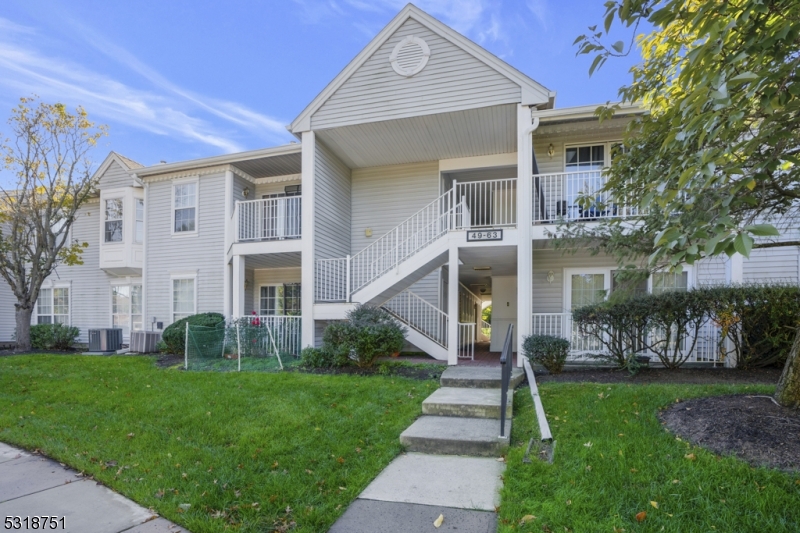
[144, 341]
[105, 340]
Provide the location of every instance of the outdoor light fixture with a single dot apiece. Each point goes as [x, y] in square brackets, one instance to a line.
[246, 192]
[551, 276]
[368, 232]
[551, 150]
[481, 268]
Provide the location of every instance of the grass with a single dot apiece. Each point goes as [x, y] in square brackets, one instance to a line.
[247, 451]
[248, 364]
[614, 459]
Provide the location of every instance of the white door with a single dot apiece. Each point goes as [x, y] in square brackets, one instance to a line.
[584, 286]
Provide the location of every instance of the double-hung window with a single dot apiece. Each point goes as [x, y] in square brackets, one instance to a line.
[580, 158]
[183, 298]
[138, 234]
[52, 307]
[113, 220]
[185, 207]
[662, 282]
[280, 300]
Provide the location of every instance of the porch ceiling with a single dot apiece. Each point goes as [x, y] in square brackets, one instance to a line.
[502, 259]
[280, 165]
[474, 132]
[283, 260]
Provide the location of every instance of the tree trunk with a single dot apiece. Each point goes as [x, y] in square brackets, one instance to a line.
[788, 391]
[23, 332]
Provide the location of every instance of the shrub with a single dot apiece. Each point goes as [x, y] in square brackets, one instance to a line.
[175, 335]
[367, 333]
[53, 336]
[315, 358]
[546, 350]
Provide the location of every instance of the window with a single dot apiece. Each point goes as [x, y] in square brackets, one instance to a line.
[113, 223]
[185, 207]
[669, 281]
[280, 300]
[183, 303]
[52, 307]
[126, 308]
[585, 158]
[587, 289]
[138, 234]
[632, 285]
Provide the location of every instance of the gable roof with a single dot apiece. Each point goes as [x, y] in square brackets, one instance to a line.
[114, 157]
[533, 93]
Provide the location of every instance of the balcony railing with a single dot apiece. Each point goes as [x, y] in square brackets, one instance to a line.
[557, 197]
[582, 346]
[268, 219]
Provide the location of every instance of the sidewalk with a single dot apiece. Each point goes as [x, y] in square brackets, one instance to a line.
[31, 485]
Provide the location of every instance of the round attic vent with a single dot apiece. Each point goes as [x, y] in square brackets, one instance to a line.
[410, 56]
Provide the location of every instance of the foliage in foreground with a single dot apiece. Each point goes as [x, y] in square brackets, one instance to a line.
[546, 350]
[368, 332]
[53, 336]
[174, 336]
[248, 452]
[613, 458]
[759, 319]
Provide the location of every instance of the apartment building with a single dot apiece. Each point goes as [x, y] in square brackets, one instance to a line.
[426, 178]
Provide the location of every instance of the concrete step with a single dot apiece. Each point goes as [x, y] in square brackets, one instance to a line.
[471, 403]
[479, 377]
[451, 435]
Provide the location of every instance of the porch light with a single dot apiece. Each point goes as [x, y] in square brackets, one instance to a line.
[551, 150]
[551, 276]
[246, 192]
[368, 232]
[481, 268]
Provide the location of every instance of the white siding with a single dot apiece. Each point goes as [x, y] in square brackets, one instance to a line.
[90, 287]
[772, 265]
[549, 297]
[548, 164]
[167, 254]
[452, 80]
[7, 318]
[115, 177]
[711, 271]
[332, 197]
[383, 197]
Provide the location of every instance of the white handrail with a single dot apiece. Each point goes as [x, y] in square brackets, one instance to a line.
[404, 240]
[466, 341]
[491, 203]
[557, 196]
[420, 314]
[331, 279]
[284, 331]
[268, 218]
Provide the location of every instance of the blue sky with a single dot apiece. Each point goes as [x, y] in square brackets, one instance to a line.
[182, 79]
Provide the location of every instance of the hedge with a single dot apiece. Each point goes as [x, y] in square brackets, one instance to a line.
[53, 336]
[174, 336]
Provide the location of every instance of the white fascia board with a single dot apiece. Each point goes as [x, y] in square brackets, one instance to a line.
[111, 158]
[584, 112]
[218, 160]
[533, 93]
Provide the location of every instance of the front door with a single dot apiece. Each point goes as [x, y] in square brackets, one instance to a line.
[585, 287]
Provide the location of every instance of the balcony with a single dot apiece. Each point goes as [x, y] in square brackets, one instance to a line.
[556, 198]
[268, 219]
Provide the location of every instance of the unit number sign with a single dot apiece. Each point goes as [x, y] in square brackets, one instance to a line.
[485, 235]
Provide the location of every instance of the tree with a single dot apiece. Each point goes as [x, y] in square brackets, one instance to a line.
[712, 164]
[51, 178]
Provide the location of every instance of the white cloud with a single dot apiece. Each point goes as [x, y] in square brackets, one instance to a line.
[541, 11]
[162, 108]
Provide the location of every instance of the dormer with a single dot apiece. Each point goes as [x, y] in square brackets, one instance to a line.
[121, 217]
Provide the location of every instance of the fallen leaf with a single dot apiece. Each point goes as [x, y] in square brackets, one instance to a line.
[690, 456]
[588, 444]
[527, 518]
[130, 435]
[185, 506]
[654, 504]
[633, 470]
[641, 516]
[438, 522]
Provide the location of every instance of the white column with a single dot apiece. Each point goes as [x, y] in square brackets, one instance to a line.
[524, 229]
[452, 306]
[734, 274]
[307, 239]
[227, 304]
[238, 285]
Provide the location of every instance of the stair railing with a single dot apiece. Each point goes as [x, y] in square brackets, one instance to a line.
[419, 314]
[505, 372]
[406, 239]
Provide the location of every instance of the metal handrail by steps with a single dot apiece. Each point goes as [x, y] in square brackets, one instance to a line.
[505, 376]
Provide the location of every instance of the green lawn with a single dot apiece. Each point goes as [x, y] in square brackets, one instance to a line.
[247, 451]
[613, 458]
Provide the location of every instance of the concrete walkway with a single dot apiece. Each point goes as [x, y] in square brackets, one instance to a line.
[453, 465]
[31, 485]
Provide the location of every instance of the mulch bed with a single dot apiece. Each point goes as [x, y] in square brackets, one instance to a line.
[752, 428]
[686, 375]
